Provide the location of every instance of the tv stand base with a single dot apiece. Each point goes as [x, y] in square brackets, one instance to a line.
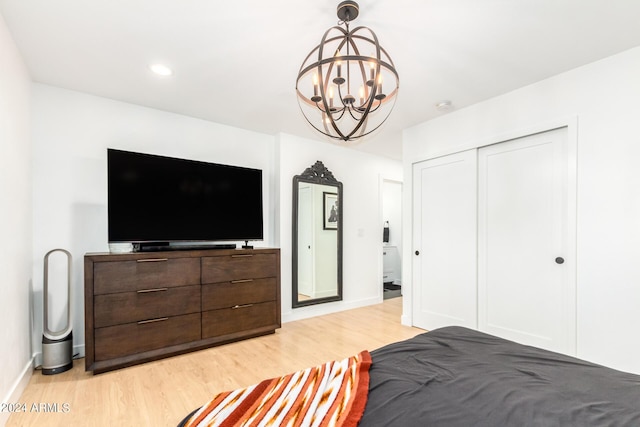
[166, 246]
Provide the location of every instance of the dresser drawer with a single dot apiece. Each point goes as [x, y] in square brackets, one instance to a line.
[239, 318]
[146, 273]
[129, 307]
[123, 340]
[237, 267]
[229, 294]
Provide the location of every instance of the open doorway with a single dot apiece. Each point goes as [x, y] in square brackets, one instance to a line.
[391, 238]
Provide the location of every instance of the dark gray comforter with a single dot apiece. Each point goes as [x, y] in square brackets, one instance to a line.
[459, 377]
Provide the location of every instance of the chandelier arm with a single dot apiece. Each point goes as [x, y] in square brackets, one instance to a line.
[376, 107]
[341, 135]
[332, 122]
[361, 123]
[341, 111]
[351, 110]
[362, 120]
[341, 97]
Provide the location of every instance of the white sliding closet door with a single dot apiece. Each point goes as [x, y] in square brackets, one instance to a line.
[524, 291]
[444, 242]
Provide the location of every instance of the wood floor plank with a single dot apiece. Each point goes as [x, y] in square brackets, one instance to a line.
[161, 393]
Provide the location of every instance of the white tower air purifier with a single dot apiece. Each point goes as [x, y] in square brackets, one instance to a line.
[57, 346]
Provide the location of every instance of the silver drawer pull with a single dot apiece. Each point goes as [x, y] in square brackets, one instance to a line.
[152, 260]
[241, 256]
[242, 281]
[148, 291]
[241, 306]
[160, 319]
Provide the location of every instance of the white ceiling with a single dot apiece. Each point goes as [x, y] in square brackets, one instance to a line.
[235, 62]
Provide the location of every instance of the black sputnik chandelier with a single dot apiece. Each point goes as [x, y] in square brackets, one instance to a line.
[347, 85]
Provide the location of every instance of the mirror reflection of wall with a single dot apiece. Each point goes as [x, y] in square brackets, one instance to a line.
[317, 237]
[317, 241]
[392, 238]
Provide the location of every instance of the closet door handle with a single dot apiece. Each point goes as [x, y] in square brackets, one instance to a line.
[417, 252]
[559, 260]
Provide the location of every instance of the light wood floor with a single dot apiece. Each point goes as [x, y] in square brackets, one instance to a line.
[162, 393]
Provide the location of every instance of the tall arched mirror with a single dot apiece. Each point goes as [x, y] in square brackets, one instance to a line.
[317, 237]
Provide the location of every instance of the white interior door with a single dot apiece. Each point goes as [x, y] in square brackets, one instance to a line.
[306, 217]
[445, 235]
[524, 293]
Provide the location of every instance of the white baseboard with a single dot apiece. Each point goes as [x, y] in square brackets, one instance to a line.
[406, 320]
[327, 308]
[15, 392]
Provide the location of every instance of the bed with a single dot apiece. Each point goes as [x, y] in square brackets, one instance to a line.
[456, 376]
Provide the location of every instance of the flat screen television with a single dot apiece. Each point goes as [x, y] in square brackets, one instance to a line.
[159, 200]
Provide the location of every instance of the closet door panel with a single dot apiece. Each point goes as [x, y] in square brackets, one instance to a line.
[523, 293]
[444, 242]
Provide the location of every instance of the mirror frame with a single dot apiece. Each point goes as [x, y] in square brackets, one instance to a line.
[315, 174]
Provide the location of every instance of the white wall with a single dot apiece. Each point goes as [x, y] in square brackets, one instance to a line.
[325, 242]
[605, 98]
[360, 175]
[71, 132]
[15, 221]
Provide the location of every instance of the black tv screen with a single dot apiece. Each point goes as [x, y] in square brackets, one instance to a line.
[163, 199]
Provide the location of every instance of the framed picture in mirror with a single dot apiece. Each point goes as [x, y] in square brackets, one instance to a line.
[330, 209]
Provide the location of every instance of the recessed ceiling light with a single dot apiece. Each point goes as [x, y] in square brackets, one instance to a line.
[161, 70]
[444, 105]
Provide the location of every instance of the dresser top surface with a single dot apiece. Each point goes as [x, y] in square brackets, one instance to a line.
[112, 256]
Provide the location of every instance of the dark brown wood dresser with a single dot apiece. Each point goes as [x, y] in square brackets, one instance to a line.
[148, 305]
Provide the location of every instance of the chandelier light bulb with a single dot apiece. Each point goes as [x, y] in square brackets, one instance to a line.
[372, 66]
[331, 97]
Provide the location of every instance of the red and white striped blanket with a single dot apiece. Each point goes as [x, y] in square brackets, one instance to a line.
[332, 394]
